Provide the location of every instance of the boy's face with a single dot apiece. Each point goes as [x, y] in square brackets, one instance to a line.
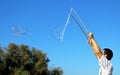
[104, 53]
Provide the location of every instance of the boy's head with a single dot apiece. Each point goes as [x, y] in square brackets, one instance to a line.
[108, 53]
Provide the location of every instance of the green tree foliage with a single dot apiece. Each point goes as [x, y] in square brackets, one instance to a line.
[22, 60]
[56, 71]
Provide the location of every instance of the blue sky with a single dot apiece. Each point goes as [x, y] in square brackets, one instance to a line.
[73, 55]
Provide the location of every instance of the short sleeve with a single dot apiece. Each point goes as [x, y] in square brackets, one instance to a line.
[105, 64]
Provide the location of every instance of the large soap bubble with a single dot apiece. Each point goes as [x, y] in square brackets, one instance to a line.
[18, 31]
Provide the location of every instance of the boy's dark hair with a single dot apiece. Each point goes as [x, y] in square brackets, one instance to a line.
[108, 52]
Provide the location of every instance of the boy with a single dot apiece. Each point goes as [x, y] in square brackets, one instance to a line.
[103, 57]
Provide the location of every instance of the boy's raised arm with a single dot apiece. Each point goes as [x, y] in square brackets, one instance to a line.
[95, 47]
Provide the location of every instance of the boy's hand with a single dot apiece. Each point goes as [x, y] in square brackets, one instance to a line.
[90, 37]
